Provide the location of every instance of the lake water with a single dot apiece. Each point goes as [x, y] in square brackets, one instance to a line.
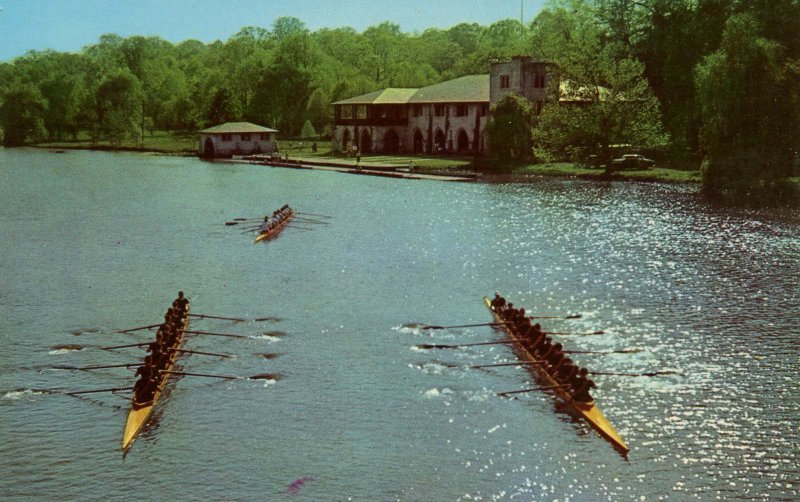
[91, 242]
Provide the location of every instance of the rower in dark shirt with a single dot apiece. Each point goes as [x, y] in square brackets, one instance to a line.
[180, 303]
[567, 370]
[581, 386]
[537, 336]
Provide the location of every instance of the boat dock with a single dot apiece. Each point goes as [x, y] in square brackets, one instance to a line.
[351, 167]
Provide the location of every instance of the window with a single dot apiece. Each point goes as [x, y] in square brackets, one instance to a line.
[461, 111]
[416, 110]
[226, 137]
[538, 80]
[361, 111]
[263, 136]
[346, 111]
[438, 110]
[483, 110]
[245, 137]
[505, 81]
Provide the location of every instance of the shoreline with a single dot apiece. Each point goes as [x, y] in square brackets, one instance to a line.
[425, 167]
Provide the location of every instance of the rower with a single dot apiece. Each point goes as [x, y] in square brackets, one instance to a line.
[537, 335]
[498, 303]
[581, 386]
[567, 370]
[180, 303]
[556, 357]
[509, 313]
[264, 226]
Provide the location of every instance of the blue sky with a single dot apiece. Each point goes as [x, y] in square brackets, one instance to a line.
[69, 25]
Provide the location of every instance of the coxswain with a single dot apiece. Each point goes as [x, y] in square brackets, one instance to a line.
[264, 226]
[498, 303]
[582, 386]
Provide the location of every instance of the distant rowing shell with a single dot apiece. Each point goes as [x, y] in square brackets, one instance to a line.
[274, 231]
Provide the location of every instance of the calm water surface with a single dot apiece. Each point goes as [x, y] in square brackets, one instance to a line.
[90, 242]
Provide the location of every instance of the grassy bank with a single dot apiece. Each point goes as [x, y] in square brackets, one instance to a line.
[159, 142]
[566, 169]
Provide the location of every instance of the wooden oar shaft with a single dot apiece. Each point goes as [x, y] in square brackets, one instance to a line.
[436, 346]
[98, 367]
[215, 334]
[314, 214]
[186, 351]
[464, 325]
[650, 374]
[532, 389]
[136, 329]
[214, 317]
[574, 334]
[95, 391]
[125, 346]
[623, 351]
[518, 363]
[224, 377]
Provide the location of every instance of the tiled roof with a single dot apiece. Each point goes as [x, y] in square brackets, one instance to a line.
[237, 127]
[390, 96]
[466, 89]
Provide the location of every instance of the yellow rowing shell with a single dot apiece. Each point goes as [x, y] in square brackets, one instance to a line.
[274, 231]
[589, 411]
[138, 415]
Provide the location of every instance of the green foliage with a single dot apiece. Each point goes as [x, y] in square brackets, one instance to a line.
[510, 130]
[308, 131]
[22, 115]
[118, 107]
[750, 111]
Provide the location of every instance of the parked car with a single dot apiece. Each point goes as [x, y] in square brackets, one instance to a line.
[632, 161]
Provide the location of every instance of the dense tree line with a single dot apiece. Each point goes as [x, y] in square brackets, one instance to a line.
[710, 82]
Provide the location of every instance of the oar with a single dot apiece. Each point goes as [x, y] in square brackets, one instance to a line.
[300, 228]
[127, 365]
[623, 351]
[532, 389]
[574, 334]
[205, 316]
[436, 346]
[432, 326]
[136, 329]
[112, 389]
[125, 346]
[651, 374]
[185, 351]
[309, 220]
[215, 334]
[314, 214]
[518, 363]
[571, 316]
[261, 376]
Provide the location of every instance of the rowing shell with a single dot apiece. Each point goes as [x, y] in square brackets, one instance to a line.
[139, 413]
[274, 231]
[589, 410]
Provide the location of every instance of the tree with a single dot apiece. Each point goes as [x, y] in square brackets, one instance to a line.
[600, 99]
[22, 115]
[750, 106]
[223, 108]
[119, 106]
[510, 129]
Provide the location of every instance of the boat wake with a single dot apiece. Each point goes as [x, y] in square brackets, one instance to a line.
[80, 331]
[64, 349]
[434, 392]
[26, 394]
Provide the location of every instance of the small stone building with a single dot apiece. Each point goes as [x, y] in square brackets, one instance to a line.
[237, 138]
[446, 117]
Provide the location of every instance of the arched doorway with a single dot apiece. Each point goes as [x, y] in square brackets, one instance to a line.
[462, 141]
[346, 140]
[366, 142]
[208, 149]
[391, 142]
[439, 141]
[419, 141]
